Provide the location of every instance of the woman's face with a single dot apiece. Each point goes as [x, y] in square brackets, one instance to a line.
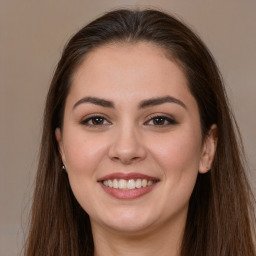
[131, 139]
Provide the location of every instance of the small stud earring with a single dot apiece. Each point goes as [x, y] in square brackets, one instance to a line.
[63, 167]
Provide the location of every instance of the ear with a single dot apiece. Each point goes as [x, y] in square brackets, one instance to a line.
[208, 149]
[58, 136]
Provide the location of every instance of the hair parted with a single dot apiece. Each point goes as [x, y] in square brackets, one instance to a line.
[221, 217]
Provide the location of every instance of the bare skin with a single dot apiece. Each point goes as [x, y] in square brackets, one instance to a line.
[164, 242]
[130, 113]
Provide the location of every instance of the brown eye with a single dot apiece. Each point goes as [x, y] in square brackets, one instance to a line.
[95, 121]
[161, 121]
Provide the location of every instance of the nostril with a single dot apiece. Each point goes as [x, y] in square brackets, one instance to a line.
[126, 160]
[127, 149]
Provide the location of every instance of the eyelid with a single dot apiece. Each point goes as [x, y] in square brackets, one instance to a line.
[86, 119]
[170, 119]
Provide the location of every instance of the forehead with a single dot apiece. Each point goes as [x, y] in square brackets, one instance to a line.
[124, 65]
[128, 74]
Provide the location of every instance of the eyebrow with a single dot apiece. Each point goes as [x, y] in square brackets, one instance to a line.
[144, 104]
[161, 100]
[96, 101]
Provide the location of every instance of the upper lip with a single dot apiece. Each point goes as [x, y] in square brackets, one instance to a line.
[127, 176]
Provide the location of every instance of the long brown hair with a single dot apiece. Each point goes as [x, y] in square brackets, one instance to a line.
[220, 219]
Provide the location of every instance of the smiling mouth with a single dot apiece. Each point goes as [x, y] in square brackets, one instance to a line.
[130, 184]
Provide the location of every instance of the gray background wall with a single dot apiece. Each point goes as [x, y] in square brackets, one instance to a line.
[32, 35]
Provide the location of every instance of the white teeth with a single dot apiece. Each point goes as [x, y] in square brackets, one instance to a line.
[115, 183]
[144, 183]
[131, 184]
[110, 183]
[128, 184]
[150, 182]
[122, 184]
[138, 183]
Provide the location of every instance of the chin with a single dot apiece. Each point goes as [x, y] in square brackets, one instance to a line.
[129, 222]
[129, 227]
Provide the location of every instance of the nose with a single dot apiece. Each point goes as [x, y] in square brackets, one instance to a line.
[127, 146]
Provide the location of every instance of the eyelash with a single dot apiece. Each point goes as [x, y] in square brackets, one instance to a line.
[94, 118]
[164, 118]
[89, 121]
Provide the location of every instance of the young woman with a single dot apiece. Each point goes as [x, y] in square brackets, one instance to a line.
[139, 152]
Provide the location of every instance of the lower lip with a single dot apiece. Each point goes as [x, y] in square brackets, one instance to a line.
[128, 194]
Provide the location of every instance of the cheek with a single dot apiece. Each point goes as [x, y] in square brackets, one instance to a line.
[83, 154]
[179, 156]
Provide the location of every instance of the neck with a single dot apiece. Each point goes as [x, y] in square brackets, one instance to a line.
[164, 241]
